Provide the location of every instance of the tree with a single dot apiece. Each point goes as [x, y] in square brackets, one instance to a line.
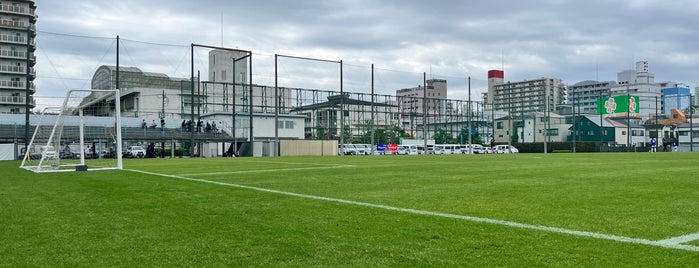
[321, 133]
[346, 134]
[442, 137]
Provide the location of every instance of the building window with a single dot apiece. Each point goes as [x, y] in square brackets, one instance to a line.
[289, 124]
[499, 125]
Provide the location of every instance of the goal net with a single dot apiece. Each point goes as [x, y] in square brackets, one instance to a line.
[83, 134]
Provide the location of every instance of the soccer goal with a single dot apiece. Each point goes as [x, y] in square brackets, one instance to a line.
[82, 134]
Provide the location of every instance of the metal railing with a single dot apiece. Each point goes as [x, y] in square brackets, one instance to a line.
[16, 100]
[17, 9]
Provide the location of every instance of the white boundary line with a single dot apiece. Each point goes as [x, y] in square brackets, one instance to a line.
[681, 239]
[264, 170]
[672, 243]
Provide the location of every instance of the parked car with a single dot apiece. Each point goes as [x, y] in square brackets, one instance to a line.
[505, 149]
[363, 149]
[48, 152]
[136, 151]
[471, 148]
[347, 149]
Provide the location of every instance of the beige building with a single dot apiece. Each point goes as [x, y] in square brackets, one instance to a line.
[416, 101]
[17, 60]
[532, 128]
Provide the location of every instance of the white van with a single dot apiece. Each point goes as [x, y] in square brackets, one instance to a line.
[505, 149]
[471, 148]
[407, 149]
[447, 148]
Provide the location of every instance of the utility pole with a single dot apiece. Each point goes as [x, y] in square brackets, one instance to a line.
[628, 118]
[27, 97]
[470, 147]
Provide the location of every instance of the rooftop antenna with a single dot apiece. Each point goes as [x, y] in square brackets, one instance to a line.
[502, 59]
[221, 28]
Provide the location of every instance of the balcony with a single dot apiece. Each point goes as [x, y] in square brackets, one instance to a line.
[13, 69]
[17, 10]
[6, 84]
[13, 54]
[13, 39]
[23, 25]
[15, 100]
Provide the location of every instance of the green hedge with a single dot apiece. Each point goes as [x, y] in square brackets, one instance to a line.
[557, 147]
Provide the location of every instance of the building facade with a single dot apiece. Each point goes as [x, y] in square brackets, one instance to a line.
[143, 94]
[17, 60]
[418, 101]
[495, 77]
[640, 83]
[529, 96]
[583, 95]
[677, 97]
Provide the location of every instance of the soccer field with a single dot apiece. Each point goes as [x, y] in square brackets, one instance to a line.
[519, 210]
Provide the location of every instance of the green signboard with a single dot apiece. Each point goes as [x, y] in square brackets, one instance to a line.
[618, 105]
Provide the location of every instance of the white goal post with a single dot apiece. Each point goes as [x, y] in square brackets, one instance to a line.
[83, 134]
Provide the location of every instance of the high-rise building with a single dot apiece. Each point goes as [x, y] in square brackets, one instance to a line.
[17, 60]
[418, 101]
[411, 99]
[583, 95]
[640, 83]
[528, 96]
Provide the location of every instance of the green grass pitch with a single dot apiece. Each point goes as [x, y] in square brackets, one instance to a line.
[522, 210]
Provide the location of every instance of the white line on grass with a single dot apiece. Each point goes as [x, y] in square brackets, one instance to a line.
[265, 170]
[673, 243]
[681, 239]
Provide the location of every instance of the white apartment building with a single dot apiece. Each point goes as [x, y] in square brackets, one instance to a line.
[529, 96]
[17, 60]
[640, 83]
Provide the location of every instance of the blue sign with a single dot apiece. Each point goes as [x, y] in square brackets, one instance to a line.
[381, 147]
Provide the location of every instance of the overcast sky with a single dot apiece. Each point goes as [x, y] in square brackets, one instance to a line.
[570, 40]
